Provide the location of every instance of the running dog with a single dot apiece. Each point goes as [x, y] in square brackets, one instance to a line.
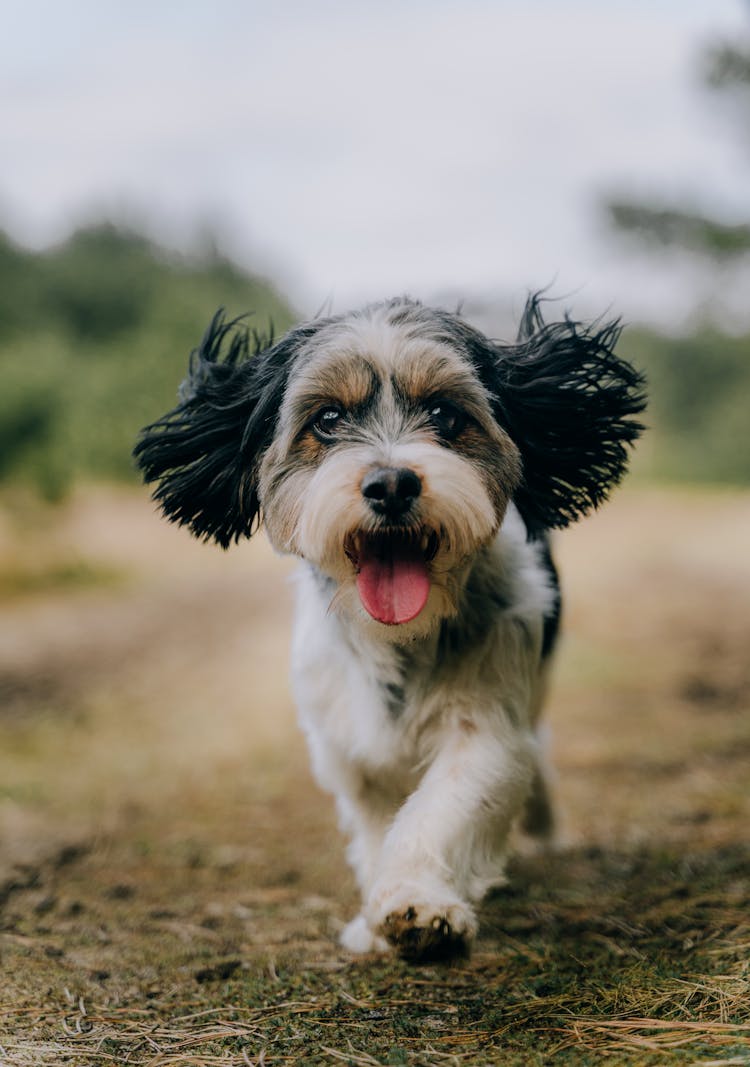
[414, 467]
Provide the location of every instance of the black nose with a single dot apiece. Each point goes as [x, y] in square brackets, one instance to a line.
[391, 491]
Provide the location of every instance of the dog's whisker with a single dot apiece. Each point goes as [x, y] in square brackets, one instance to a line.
[333, 603]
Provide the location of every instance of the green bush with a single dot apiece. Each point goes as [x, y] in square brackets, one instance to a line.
[94, 340]
[699, 404]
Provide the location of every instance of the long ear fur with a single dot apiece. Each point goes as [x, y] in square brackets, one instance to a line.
[566, 401]
[204, 454]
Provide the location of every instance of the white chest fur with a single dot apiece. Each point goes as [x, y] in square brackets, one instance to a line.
[376, 708]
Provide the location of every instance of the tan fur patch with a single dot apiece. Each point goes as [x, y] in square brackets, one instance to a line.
[496, 457]
[425, 372]
[341, 378]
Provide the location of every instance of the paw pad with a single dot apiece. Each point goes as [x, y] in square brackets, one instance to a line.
[431, 941]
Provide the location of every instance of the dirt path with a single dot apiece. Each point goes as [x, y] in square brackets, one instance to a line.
[172, 882]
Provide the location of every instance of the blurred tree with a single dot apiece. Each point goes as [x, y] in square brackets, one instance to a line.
[726, 69]
[699, 382]
[100, 282]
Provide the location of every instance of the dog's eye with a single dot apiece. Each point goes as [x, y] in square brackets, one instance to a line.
[446, 418]
[326, 422]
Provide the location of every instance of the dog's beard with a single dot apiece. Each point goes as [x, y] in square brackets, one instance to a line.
[398, 578]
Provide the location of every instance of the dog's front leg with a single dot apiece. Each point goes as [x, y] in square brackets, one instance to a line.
[446, 845]
[365, 819]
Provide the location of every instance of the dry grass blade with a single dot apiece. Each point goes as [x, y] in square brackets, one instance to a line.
[360, 1059]
[655, 1035]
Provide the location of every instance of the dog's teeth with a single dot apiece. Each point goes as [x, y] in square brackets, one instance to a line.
[430, 544]
[352, 547]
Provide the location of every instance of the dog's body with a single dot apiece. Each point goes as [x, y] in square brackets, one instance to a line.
[414, 467]
[447, 723]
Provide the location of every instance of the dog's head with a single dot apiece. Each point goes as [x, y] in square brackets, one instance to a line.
[384, 446]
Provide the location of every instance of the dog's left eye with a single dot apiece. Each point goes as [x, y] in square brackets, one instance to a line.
[446, 418]
[326, 422]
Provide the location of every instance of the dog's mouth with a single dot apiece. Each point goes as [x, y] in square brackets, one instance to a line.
[393, 576]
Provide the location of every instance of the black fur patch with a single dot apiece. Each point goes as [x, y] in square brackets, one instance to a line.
[204, 454]
[567, 402]
[395, 698]
[552, 619]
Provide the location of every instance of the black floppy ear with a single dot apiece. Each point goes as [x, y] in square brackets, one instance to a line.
[204, 454]
[566, 400]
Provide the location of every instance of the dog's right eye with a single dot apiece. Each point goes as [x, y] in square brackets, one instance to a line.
[446, 418]
[326, 422]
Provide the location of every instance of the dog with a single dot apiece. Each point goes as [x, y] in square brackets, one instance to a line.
[415, 468]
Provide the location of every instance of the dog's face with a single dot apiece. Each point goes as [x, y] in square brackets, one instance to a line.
[387, 469]
[384, 446]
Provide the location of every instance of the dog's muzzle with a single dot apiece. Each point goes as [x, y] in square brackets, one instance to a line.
[392, 558]
[393, 579]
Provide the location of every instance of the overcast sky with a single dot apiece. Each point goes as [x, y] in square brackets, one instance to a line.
[356, 150]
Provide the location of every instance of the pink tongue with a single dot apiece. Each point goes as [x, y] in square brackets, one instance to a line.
[393, 582]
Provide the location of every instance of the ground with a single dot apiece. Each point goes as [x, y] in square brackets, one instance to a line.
[172, 882]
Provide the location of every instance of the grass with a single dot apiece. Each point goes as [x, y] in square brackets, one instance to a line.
[630, 955]
[172, 883]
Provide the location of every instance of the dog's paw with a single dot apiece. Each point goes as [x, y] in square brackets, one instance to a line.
[423, 931]
[426, 938]
[359, 937]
